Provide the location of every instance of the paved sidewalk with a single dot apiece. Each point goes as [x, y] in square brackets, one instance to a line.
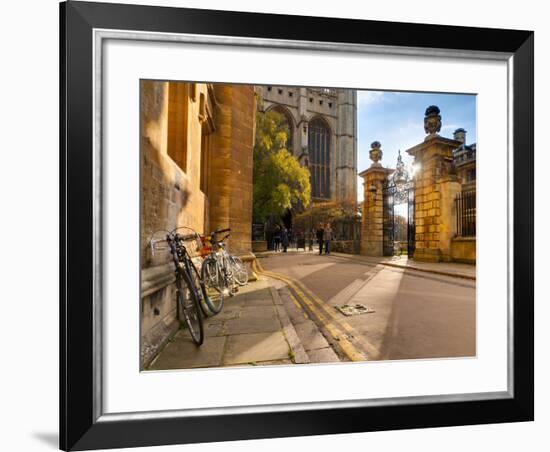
[455, 269]
[252, 329]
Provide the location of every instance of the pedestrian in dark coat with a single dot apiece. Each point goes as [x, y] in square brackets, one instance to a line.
[277, 239]
[319, 234]
[285, 239]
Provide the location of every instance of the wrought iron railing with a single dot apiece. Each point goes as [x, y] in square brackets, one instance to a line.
[465, 204]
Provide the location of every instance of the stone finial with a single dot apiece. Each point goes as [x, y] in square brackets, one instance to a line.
[400, 176]
[432, 120]
[375, 153]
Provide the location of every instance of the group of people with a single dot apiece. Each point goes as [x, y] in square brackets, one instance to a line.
[324, 237]
[282, 237]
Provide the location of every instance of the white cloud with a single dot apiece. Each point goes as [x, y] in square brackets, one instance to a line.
[365, 98]
[452, 127]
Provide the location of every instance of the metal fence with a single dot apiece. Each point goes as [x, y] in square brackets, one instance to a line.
[465, 204]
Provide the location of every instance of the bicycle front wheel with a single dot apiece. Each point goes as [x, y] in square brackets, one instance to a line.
[189, 306]
[214, 284]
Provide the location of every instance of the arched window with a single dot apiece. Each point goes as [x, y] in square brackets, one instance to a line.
[289, 123]
[319, 158]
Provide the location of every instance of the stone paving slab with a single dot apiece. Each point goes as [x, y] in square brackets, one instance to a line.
[259, 302]
[298, 352]
[276, 296]
[252, 324]
[253, 319]
[250, 348]
[213, 329]
[277, 362]
[182, 353]
[323, 355]
[251, 312]
[310, 336]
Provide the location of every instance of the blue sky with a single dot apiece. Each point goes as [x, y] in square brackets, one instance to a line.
[396, 120]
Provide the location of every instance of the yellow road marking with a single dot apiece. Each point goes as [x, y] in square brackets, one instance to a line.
[370, 349]
[326, 320]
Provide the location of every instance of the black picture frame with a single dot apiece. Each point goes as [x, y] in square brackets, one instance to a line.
[80, 426]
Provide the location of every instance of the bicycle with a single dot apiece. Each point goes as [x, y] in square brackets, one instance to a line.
[190, 290]
[236, 268]
[220, 270]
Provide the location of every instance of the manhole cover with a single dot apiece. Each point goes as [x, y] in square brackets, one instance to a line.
[355, 309]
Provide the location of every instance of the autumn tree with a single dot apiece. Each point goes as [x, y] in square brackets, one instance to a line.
[280, 183]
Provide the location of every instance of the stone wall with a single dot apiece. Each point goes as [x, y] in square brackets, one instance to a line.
[170, 196]
[196, 171]
[345, 246]
[463, 249]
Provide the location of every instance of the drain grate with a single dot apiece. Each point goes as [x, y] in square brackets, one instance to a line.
[355, 309]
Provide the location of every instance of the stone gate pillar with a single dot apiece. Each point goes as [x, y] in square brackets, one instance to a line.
[372, 226]
[436, 186]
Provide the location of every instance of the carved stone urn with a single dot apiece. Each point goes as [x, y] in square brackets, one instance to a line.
[375, 153]
[432, 121]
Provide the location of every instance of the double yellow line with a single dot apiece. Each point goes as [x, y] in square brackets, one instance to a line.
[338, 329]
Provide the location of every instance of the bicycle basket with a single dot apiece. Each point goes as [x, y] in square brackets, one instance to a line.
[206, 246]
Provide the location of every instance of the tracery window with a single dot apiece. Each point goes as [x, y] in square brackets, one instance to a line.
[319, 158]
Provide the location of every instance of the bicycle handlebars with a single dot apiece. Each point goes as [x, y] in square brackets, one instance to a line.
[219, 231]
[185, 237]
[173, 235]
[170, 237]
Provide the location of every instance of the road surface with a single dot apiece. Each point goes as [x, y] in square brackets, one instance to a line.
[415, 314]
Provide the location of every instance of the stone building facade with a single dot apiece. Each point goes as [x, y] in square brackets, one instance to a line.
[465, 161]
[463, 246]
[323, 135]
[196, 171]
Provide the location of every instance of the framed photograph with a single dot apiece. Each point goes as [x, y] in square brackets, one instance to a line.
[270, 224]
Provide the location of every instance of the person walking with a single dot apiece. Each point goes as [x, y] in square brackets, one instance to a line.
[327, 237]
[277, 239]
[310, 233]
[319, 234]
[285, 239]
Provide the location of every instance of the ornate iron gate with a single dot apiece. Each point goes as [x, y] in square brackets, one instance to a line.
[398, 189]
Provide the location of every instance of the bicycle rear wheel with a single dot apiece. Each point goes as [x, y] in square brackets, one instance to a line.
[240, 273]
[214, 284]
[189, 307]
